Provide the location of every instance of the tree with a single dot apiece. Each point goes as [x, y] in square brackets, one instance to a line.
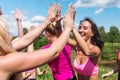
[102, 33]
[25, 30]
[114, 34]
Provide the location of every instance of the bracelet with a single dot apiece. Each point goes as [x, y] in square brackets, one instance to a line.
[18, 20]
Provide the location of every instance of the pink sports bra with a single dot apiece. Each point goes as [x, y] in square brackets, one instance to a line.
[87, 68]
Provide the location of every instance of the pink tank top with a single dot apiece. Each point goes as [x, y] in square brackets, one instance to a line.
[62, 66]
[119, 56]
[87, 68]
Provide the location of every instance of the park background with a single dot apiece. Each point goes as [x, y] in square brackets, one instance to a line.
[105, 13]
[108, 55]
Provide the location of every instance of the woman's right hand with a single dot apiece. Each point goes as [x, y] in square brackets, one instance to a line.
[69, 18]
[51, 13]
[18, 14]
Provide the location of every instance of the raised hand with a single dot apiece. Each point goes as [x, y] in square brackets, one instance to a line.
[58, 13]
[69, 18]
[18, 14]
[52, 13]
[72, 10]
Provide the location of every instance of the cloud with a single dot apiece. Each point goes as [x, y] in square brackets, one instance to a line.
[38, 18]
[100, 4]
[84, 3]
[99, 11]
[26, 22]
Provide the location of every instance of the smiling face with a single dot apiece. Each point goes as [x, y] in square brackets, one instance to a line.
[85, 30]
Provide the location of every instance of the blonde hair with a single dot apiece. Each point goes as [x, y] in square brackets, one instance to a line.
[5, 44]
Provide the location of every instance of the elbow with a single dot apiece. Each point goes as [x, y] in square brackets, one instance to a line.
[55, 52]
[87, 53]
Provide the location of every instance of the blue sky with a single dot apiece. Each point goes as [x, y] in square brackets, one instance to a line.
[104, 12]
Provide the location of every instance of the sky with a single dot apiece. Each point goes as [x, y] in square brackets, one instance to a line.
[103, 12]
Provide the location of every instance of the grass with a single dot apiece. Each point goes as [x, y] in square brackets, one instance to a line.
[103, 69]
[107, 55]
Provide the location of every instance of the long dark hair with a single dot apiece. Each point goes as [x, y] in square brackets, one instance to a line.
[96, 39]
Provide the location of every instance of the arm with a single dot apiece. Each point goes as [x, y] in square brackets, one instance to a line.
[72, 42]
[21, 61]
[32, 35]
[58, 20]
[30, 48]
[115, 70]
[59, 26]
[27, 39]
[18, 16]
[37, 58]
[95, 51]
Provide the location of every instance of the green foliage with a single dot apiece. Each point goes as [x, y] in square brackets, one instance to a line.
[108, 54]
[112, 36]
[102, 33]
[109, 51]
[25, 30]
[41, 41]
[105, 69]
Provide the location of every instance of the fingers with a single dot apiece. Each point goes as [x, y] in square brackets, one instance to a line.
[18, 14]
[51, 12]
[58, 9]
[72, 10]
[69, 17]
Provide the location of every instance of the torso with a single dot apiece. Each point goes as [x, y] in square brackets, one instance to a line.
[81, 59]
[62, 66]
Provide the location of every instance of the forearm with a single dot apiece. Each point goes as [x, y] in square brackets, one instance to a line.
[32, 35]
[29, 37]
[72, 42]
[115, 70]
[62, 40]
[81, 43]
[20, 28]
[30, 48]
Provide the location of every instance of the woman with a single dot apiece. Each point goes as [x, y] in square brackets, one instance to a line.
[88, 47]
[20, 61]
[61, 66]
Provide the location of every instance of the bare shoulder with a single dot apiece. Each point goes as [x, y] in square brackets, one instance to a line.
[96, 50]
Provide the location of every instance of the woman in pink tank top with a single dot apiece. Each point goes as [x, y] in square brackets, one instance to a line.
[61, 66]
[88, 46]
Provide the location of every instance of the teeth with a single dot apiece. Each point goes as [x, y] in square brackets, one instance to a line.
[82, 34]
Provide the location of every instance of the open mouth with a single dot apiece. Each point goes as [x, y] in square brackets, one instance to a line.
[82, 34]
